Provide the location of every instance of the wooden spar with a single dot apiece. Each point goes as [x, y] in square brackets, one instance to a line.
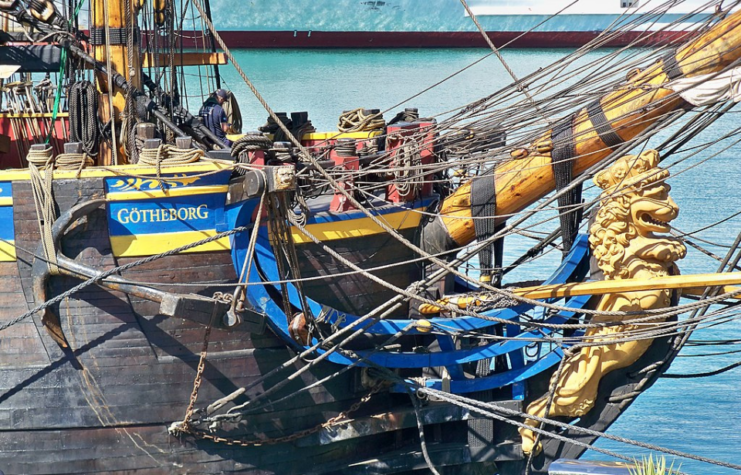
[113, 14]
[690, 284]
[629, 110]
[694, 283]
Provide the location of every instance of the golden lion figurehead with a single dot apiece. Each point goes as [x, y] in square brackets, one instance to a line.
[635, 204]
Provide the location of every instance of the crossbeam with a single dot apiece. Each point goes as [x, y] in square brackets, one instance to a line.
[695, 283]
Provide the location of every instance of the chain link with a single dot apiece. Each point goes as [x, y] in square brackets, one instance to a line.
[242, 442]
[185, 425]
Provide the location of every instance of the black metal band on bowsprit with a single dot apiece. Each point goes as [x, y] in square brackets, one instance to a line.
[564, 150]
[483, 212]
[562, 137]
[671, 66]
[602, 126]
[117, 36]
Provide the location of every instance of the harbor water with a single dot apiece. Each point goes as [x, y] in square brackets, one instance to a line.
[697, 415]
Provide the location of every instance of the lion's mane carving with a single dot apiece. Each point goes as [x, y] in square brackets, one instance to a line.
[635, 204]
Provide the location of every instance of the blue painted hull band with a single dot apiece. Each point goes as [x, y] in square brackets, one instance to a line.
[566, 270]
[259, 297]
[494, 381]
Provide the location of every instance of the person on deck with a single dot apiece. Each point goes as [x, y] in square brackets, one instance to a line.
[214, 117]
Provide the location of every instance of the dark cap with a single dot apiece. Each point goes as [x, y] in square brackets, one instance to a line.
[222, 94]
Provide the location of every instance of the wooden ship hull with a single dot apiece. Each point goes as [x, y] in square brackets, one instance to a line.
[191, 317]
[104, 402]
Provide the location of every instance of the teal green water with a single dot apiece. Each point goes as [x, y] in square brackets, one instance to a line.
[700, 416]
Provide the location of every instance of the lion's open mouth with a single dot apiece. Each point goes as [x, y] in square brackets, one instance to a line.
[647, 218]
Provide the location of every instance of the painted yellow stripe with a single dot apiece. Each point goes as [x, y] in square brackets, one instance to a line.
[6, 201]
[151, 244]
[358, 227]
[338, 135]
[123, 171]
[7, 251]
[35, 115]
[322, 135]
[189, 191]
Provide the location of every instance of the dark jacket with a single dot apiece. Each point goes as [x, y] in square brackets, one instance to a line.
[213, 115]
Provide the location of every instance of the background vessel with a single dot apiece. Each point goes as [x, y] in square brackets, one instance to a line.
[442, 23]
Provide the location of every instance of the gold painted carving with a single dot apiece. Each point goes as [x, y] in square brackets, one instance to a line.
[148, 184]
[635, 204]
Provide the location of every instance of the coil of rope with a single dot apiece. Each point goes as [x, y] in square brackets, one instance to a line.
[360, 120]
[407, 176]
[250, 142]
[83, 116]
[74, 161]
[169, 155]
[41, 159]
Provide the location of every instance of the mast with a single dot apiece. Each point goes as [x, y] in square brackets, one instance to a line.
[217, 74]
[111, 26]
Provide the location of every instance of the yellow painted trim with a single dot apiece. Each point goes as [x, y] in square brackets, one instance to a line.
[323, 135]
[7, 251]
[338, 135]
[33, 115]
[357, 227]
[6, 201]
[151, 244]
[122, 171]
[189, 191]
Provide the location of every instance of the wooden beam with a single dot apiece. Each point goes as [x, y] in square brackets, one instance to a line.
[694, 282]
[184, 59]
[698, 291]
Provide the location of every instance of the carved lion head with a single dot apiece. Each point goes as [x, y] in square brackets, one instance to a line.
[635, 204]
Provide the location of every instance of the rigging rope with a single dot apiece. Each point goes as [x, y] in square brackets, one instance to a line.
[703, 375]
[520, 86]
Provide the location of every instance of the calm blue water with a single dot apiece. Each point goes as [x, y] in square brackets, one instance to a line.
[701, 416]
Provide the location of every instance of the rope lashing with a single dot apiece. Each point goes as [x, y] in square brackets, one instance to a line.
[42, 159]
[169, 155]
[74, 161]
[166, 154]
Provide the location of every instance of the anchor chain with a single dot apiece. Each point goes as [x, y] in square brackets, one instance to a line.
[185, 427]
